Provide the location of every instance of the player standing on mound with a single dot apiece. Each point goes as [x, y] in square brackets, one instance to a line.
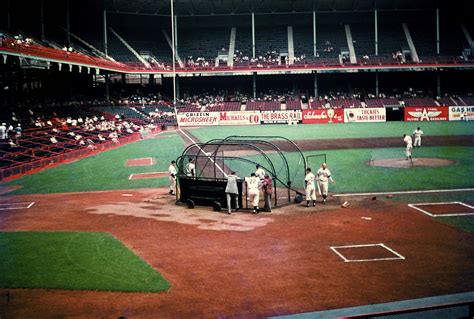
[324, 176]
[409, 145]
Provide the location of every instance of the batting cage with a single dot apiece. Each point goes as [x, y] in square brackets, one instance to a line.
[279, 157]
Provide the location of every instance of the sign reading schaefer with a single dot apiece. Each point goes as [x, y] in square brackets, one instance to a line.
[239, 118]
[323, 116]
[197, 118]
[371, 114]
[461, 113]
[426, 113]
[279, 116]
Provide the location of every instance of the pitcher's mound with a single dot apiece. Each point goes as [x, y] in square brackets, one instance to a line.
[416, 162]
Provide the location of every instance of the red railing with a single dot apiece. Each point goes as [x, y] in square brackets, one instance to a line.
[38, 165]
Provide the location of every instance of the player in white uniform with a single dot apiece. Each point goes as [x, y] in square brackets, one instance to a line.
[309, 181]
[191, 169]
[417, 133]
[260, 172]
[253, 183]
[409, 145]
[324, 176]
[172, 177]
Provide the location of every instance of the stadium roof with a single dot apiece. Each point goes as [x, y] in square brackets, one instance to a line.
[217, 7]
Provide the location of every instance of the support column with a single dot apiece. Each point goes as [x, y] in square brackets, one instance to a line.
[314, 34]
[42, 20]
[176, 32]
[376, 24]
[253, 35]
[437, 31]
[68, 34]
[376, 83]
[9, 22]
[173, 52]
[315, 85]
[177, 87]
[438, 83]
[254, 85]
[107, 83]
[106, 51]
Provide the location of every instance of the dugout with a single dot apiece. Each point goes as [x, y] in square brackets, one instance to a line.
[278, 156]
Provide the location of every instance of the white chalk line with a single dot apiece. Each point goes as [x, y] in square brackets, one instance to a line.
[414, 206]
[398, 256]
[147, 173]
[202, 151]
[408, 192]
[21, 205]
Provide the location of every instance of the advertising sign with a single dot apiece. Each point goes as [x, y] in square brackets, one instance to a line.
[323, 116]
[426, 113]
[461, 113]
[364, 115]
[274, 117]
[239, 118]
[197, 118]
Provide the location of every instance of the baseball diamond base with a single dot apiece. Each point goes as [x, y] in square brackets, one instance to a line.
[415, 162]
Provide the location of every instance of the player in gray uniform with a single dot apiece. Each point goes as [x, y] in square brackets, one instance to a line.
[232, 192]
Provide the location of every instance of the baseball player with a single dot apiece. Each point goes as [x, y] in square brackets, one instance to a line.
[191, 168]
[409, 145]
[310, 187]
[417, 134]
[324, 176]
[232, 192]
[260, 172]
[253, 183]
[172, 177]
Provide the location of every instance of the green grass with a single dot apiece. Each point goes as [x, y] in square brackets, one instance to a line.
[343, 130]
[465, 223]
[73, 260]
[352, 174]
[106, 170]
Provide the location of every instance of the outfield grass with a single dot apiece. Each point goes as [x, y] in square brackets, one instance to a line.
[343, 130]
[350, 169]
[106, 170]
[73, 260]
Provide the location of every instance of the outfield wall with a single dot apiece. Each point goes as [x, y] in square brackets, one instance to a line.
[327, 116]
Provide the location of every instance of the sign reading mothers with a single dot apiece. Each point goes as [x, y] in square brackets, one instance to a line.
[323, 116]
[239, 118]
[365, 115]
[461, 113]
[426, 113]
[280, 116]
[197, 118]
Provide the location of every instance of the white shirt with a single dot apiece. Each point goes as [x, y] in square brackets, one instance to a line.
[260, 173]
[418, 133]
[324, 175]
[252, 182]
[309, 178]
[190, 169]
[408, 140]
[172, 170]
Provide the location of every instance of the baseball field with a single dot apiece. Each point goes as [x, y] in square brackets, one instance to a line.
[101, 237]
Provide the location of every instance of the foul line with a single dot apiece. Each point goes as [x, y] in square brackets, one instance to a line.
[441, 203]
[399, 256]
[408, 192]
[11, 206]
[202, 151]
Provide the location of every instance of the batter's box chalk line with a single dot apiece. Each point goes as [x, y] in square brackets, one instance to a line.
[396, 257]
[424, 211]
[21, 205]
